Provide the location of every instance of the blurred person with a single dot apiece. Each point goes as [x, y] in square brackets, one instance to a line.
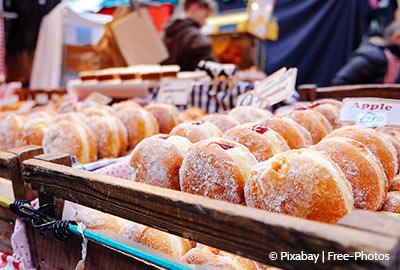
[186, 45]
[375, 61]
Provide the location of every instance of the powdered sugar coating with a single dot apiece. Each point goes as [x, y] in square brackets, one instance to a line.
[211, 171]
[33, 130]
[11, 131]
[330, 111]
[222, 121]
[196, 131]
[245, 114]
[392, 202]
[167, 116]
[156, 160]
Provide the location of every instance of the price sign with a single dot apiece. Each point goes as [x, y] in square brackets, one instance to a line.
[175, 91]
[98, 98]
[370, 112]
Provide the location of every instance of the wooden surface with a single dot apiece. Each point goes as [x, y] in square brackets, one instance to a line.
[238, 229]
[310, 92]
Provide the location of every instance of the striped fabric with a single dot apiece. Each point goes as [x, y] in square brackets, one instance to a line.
[213, 99]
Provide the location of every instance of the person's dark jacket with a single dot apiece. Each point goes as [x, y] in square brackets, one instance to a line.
[186, 45]
[366, 65]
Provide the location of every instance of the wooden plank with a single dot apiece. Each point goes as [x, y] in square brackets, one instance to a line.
[57, 158]
[238, 229]
[6, 159]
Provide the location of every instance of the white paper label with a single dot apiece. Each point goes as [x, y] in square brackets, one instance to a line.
[370, 112]
[175, 91]
[98, 98]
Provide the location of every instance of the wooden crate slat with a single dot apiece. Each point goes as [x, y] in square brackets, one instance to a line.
[238, 229]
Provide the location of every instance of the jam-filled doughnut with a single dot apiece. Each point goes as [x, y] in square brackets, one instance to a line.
[262, 142]
[33, 130]
[303, 183]
[111, 136]
[245, 114]
[376, 143]
[196, 131]
[313, 121]
[139, 123]
[11, 131]
[394, 136]
[71, 138]
[191, 114]
[361, 167]
[216, 168]
[221, 121]
[295, 135]
[330, 111]
[392, 202]
[125, 104]
[330, 101]
[395, 184]
[167, 116]
[156, 160]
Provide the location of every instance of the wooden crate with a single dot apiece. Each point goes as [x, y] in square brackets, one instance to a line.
[310, 92]
[242, 230]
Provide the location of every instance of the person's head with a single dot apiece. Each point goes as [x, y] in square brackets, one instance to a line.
[199, 10]
[392, 33]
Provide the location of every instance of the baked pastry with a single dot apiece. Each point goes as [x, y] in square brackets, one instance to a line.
[73, 117]
[376, 143]
[71, 138]
[394, 136]
[139, 123]
[156, 160]
[395, 184]
[97, 111]
[331, 101]
[69, 106]
[216, 168]
[295, 135]
[246, 114]
[262, 142]
[196, 131]
[221, 121]
[11, 131]
[313, 121]
[33, 130]
[211, 258]
[125, 104]
[392, 202]
[361, 167]
[111, 136]
[303, 183]
[167, 116]
[191, 114]
[330, 111]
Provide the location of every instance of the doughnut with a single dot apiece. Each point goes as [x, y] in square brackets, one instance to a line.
[392, 202]
[330, 111]
[73, 117]
[139, 123]
[69, 106]
[11, 131]
[395, 184]
[216, 168]
[246, 114]
[303, 183]
[71, 138]
[212, 258]
[221, 121]
[125, 104]
[295, 135]
[96, 111]
[361, 167]
[33, 130]
[156, 160]
[111, 136]
[394, 136]
[167, 116]
[191, 114]
[262, 142]
[196, 131]
[313, 121]
[376, 143]
[331, 101]
[41, 114]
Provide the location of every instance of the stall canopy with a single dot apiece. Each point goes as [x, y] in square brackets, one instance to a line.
[316, 36]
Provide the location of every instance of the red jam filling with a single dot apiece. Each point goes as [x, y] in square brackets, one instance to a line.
[164, 136]
[197, 123]
[224, 145]
[260, 129]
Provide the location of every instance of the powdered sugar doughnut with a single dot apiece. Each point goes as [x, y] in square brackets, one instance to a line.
[295, 135]
[167, 116]
[71, 138]
[69, 106]
[361, 167]
[191, 114]
[211, 258]
[33, 130]
[246, 114]
[11, 131]
[262, 142]
[313, 121]
[392, 202]
[221, 121]
[96, 111]
[376, 143]
[303, 183]
[331, 101]
[111, 136]
[395, 184]
[394, 136]
[330, 111]
[125, 104]
[156, 160]
[196, 131]
[216, 168]
[72, 117]
[139, 123]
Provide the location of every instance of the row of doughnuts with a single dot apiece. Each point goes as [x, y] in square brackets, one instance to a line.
[296, 164]
[178, 248]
